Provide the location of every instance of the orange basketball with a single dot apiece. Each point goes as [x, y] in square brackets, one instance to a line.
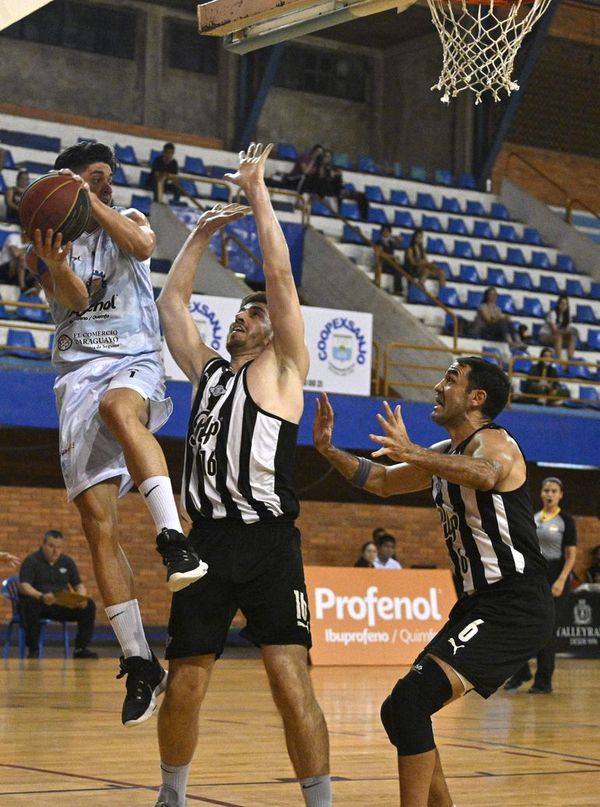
[56, 202]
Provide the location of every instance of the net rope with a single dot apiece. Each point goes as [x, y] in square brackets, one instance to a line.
[480, 43]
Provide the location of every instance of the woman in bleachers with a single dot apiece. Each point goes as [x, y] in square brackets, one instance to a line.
[13, 196]
[557, 330]
[543, 381]
[417, 264]
[491, 323]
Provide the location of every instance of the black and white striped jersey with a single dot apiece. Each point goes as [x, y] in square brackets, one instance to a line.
[490, 535]
[239, 459]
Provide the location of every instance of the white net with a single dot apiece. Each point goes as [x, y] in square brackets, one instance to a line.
[480, 43]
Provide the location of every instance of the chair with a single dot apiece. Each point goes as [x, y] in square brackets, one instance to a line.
[522, 365]
[549, 285]
[367, 165]
[482, 229]
[496, 277]
[540, 260]
[515, 255]
[342, 160]
[31, 314]
[564, 263]
[374, 193]
[489, 252]
[446, 268]
[119, 178]
[417, 295]
[399, 197]
[506, 232]
[17, 344]
[141, 203]
[474, 208]
[506, 304]
[463, 249]
[431, 223]
[10, 590]
[2, 185]
[593, 339]
[287, 151]
[522, 280]
[468, 273]
[495, 357]
[8, 159]
[531, 236]
[437, 246]
[595, 290]
[194, 165]
[377, 215]
[126, 154]
[443, 176]
[449, 297]
[589, 396]
[585, 313]
[575, 289]
[352, 235]
[467, 181]
[425, 201]
[532, 308]
[474, 299]
[349, 210]
[320, 209]
[457, 227]
[403, 218]
[418, 172]
[499, 211]
[450, 204]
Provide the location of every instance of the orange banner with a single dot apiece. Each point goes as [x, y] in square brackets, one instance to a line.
[375, 616]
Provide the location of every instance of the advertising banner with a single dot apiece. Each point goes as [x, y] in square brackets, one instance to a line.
[578, 629]
[339, 343]
[375, 616]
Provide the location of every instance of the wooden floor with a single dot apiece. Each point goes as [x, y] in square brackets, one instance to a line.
[61, 741]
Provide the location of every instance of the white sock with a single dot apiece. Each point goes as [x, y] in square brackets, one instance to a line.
[316, 790]
[158, 497]
[176, 777]
[126, 621]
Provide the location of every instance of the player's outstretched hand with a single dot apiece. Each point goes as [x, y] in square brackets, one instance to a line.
[395, 441]
[252, 166]
[218, 216]
[323, 423]
[50, 249]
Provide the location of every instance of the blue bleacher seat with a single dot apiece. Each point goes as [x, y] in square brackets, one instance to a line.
[531, 236]
[189, 187]
[474, 208]
[593, 339]
[506, 304]
[495, 357]
[522, 280]
[499, 211]
[144, 179]
[287, 151]
[374, 193]
[217, 171]
[342, 160]
[467, 181]
[418, 172]
[141, 203]
[564, 263]
[17, 342]
[376, 235]
[450, 204]
[446, 268]
[367, 165]
[425, 201]
[575, 289]
[126, 154]
[31, 314]
[397, 169]
[522, 365]
[443, 176]
[36, 167]
[416, 295]
[474, 299]
[468, 273]
[2, 185]
[3, 236]
[431, 223]
[8, 159]
[496, 277]
[319, 209]
[4, 312]
[194, 165]
[160, 265]
[506, 232]
[489, 252]
[549, 285]
[585, 313]
[403, 218]
[349, 210]
[449, 297]
[350, 187]
[377, 215]
[589, 396]
[457, 226]
[219, 193]
[437, 246]
[540, 260]
[579, 370]
[532, 307]
[463, 249]
[119, 177]
[398, 197]
[352, 235]
[482, 229]
[515, 255]
[28, 140]
[154, 153]
[595, 290]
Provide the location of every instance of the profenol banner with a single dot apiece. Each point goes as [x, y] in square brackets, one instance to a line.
[375, 616]
[339, 343]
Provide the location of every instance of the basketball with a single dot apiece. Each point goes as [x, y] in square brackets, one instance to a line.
[55, 202]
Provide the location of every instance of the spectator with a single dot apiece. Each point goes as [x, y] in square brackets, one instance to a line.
[416, 263]
[305, 175]
[557, 535]
[543, 381]
[387, 244]
[368, 554]
[43, 574]
[491, 323]
[386, 549]
[593, 573]
[332, 184]
[13, 267]
[557, 331]
[523, 334]
[13, 196]
[164, 169]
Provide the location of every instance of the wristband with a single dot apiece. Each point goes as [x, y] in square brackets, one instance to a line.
[362, 472]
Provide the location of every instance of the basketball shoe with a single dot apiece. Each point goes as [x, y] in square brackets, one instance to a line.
[167, 797]
[146, 680]
[183, 564]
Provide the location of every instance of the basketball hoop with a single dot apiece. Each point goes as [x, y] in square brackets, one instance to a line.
[480, 42]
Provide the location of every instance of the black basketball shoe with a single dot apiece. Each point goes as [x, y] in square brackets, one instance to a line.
[183, 565]
[146, 679]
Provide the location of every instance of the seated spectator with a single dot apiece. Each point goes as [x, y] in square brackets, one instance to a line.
[387, 244]
[368, 553]
[416, 263]
[13, 196]
[386, 549]
[491, 323]
[524, 337]
[543, 380]
[305, 174]
[593, 573]
[43, 575]
[164, 169]
[13, 269]
[557, 331]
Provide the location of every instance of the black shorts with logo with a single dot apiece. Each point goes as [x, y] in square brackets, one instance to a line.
[254, 567]
[493, 632]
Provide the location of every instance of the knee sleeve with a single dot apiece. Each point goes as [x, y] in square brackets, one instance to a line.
[406, 713]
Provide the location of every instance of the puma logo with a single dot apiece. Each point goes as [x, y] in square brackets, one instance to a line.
[455, 647]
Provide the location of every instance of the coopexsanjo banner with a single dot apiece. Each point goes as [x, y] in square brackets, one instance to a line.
[375, 616]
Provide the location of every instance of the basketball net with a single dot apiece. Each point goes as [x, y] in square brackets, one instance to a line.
[480, 43]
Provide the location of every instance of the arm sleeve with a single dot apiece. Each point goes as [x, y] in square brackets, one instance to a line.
[570, 534]
[27, 571]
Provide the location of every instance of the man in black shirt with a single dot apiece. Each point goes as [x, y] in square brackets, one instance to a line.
[164, 168]
[43, 574]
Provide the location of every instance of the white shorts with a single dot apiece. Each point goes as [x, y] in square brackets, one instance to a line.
[89, 454]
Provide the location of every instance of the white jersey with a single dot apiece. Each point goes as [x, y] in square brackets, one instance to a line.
[121, 320]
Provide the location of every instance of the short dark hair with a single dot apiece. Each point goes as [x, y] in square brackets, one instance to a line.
[490, 378]
[386, 538]
[52, 534]
[81, 155]
[169, 146]
[253, 297]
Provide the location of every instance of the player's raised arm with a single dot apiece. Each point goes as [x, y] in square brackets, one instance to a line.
[48, 261]
[282, 298]
[181, 333]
